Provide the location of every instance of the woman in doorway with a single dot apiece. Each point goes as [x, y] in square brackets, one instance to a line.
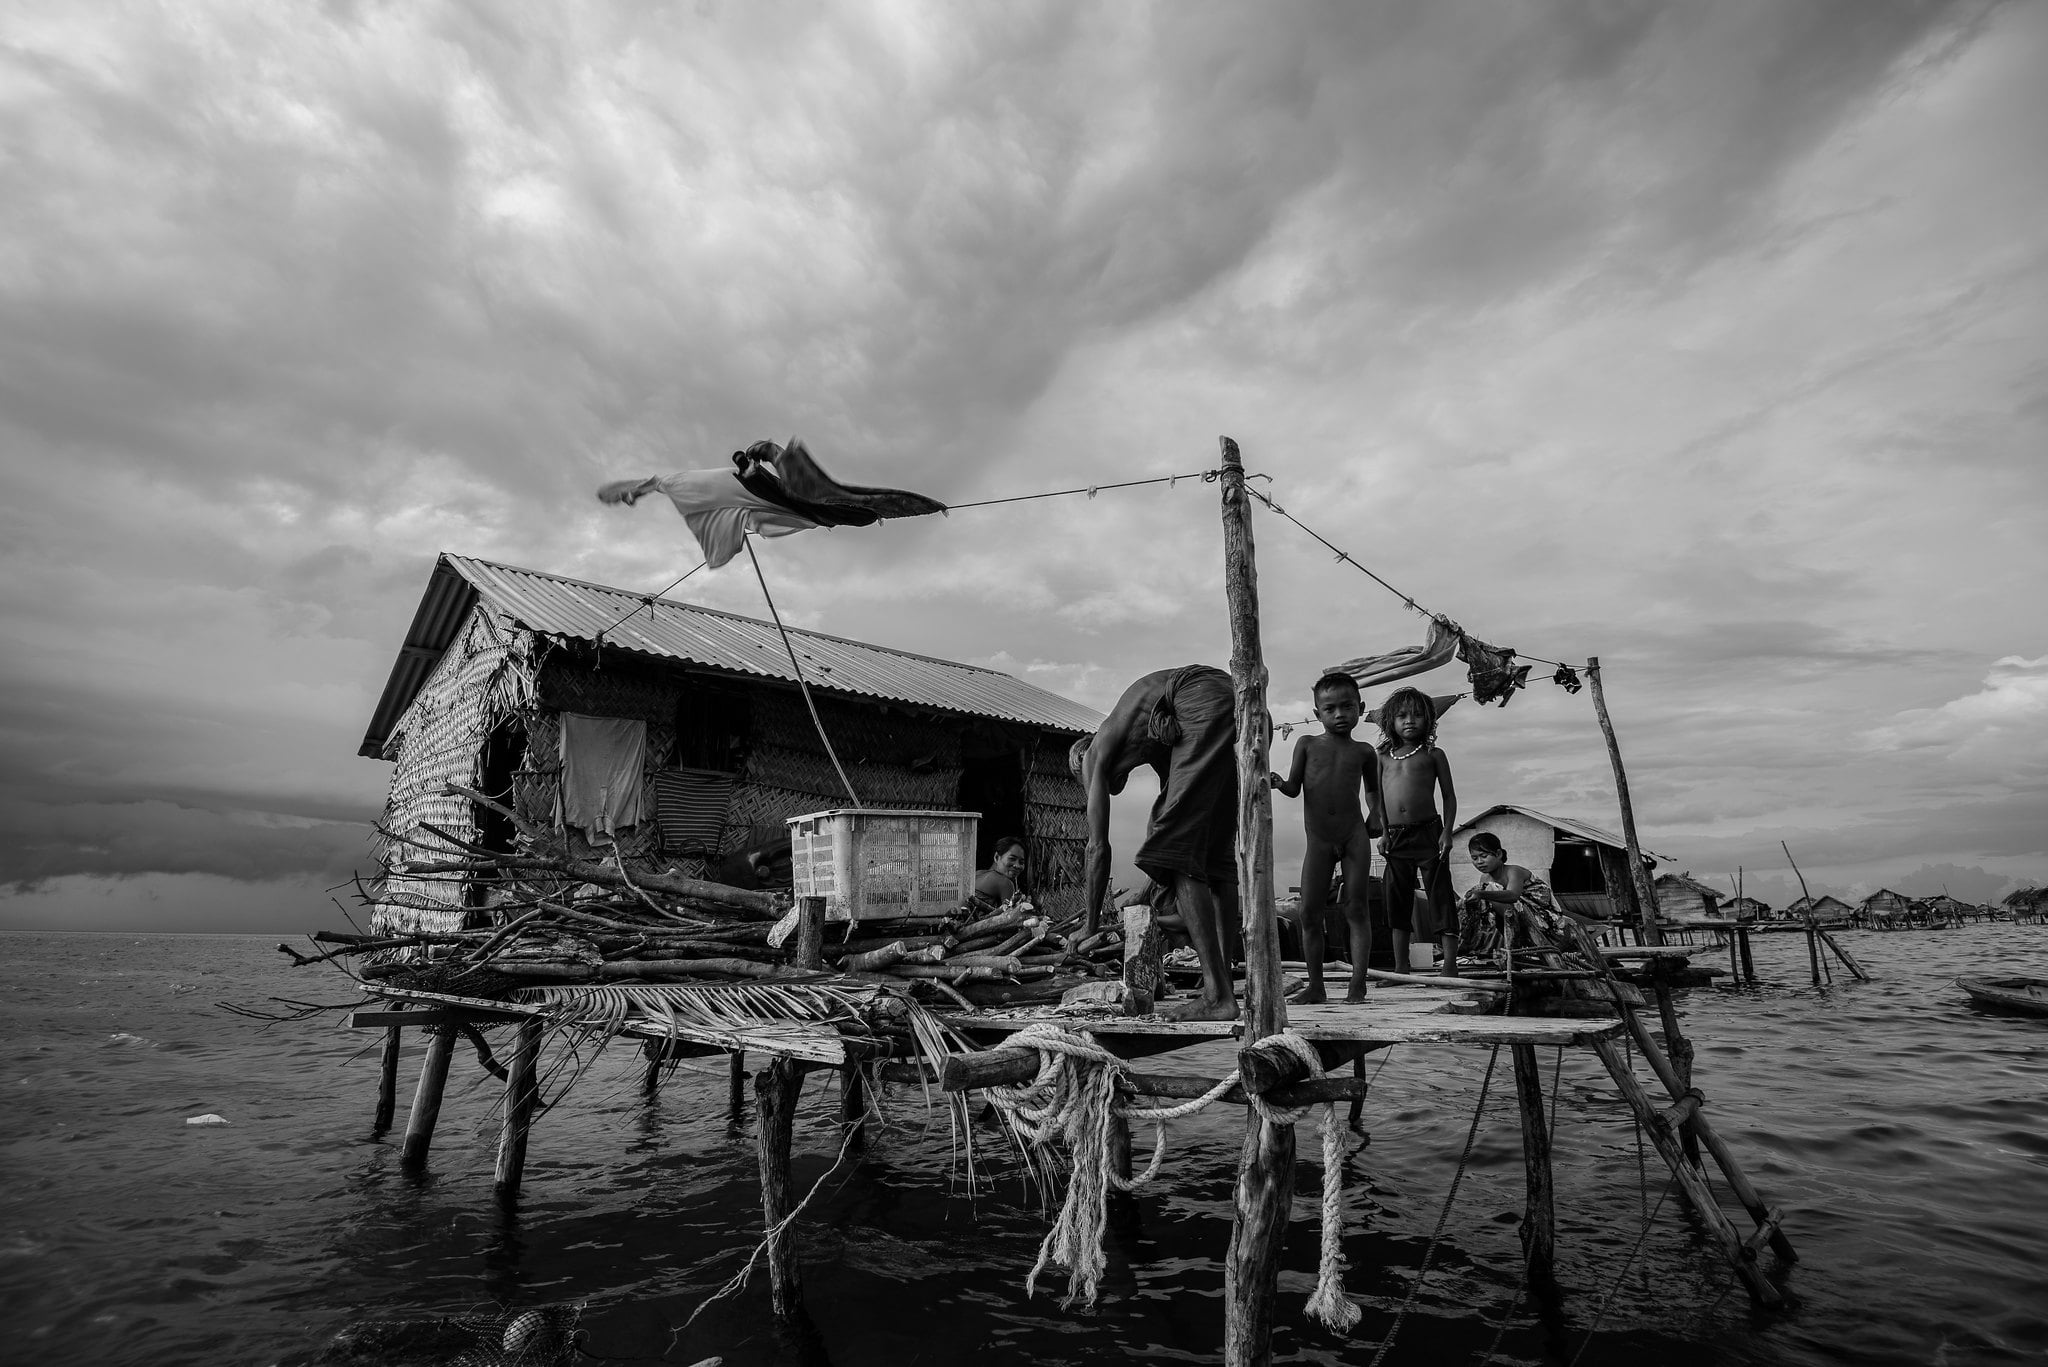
[998, 882]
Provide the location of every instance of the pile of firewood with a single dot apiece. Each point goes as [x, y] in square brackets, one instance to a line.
[561, 919]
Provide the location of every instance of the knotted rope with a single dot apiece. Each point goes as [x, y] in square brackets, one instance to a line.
[1072, 1103]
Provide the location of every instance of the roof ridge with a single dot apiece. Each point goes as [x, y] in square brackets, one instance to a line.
[731, 616]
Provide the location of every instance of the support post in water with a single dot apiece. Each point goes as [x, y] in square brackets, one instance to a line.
[522, 1095]
[426, 1100]
[1539, 1212]
[1647, 929]
[736, 1084]
[387, 1081]
[1265, 1171]
[775, 1094]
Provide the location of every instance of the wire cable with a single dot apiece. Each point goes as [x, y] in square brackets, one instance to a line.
[647, 601]
[1206, 476]
[801, 682]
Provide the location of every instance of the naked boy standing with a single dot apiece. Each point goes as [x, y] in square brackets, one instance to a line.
[1332, 769]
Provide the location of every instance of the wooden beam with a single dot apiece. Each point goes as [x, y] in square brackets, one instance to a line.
[387, 1081]
[1539, 1209]
[426, 1099]
[1646, 891]
[810, 934]
[1265, 1174]
[522, 1096]
[1014, 1068]
[775, 1097]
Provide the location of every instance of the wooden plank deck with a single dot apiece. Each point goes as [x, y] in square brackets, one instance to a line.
[1399, 1015]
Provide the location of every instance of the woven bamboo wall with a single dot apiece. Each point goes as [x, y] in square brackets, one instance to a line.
[482, 678]
[1055, 828]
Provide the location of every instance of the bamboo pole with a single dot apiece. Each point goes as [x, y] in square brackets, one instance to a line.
[1539, 1212]
[1647, 930]
[775, 1095]
[1265, 1171]
[387, 1081]
[426, 1099]
[522, 1095]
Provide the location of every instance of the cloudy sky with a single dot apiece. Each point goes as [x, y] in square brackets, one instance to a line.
[1711, 339]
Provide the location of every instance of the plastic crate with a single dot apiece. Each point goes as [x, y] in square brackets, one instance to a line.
[876, 862]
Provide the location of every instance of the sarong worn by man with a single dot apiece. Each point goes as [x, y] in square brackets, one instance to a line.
[1182, 722]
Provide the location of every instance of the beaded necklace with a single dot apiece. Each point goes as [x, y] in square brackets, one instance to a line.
[1420, 746]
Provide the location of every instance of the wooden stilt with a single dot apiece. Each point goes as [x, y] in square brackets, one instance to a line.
[853, 1102]
[1646, 892]
[1748, 964]
[426, 1100]
[655, 1052]
[1358, 1102]
[1265, 1173]
[736, 1083]
[522, 1095]
[1120, 1147]
[775, 1095]
[1813, 949]
[387, 1081]
[1848, 959]
[1539, 1213]
[1691, 1180]
[1677, 1045]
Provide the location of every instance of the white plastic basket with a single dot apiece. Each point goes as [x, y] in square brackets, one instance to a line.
[873, 862]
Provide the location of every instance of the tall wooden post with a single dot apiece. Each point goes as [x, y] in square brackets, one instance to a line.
[736, 1084]
[775, 1095]
[522, 1094]
[426, 1100]
[1646, 891]
[387, 1081]
[810, 933]
[1265, 1172]
[1539, 1213]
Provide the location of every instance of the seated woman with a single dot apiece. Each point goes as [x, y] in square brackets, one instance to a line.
[1503, 888]
[998, 882]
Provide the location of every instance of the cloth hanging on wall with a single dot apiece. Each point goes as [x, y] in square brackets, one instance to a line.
[602, 763]
[691, 806]
[773, 490]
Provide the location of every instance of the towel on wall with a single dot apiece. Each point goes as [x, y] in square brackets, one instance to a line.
[602, 763]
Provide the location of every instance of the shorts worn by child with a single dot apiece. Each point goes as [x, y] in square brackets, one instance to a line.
[1414, 852]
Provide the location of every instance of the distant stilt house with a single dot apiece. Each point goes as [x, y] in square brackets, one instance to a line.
[1886, 907]
[1748, 909]
[1681, 897]
[2025, 904]
[1821, 908]
[677, 736]
[1946, 908]
[1586, 867]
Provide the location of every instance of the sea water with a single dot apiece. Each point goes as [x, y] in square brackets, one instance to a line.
[1904, 1132]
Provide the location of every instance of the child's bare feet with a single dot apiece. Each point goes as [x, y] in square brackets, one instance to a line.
[1356, 994]
[1313, 995]
[1200, 1009]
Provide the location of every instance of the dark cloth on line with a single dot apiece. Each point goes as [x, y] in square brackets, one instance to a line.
[790, 476]
[1494, 674]
[602, 759]
[1190, 735]
[1412, 855]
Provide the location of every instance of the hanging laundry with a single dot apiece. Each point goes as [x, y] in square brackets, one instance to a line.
[773, 490]
[1494, 674]
[1373, 670]
[602, 763]
[1567, 678]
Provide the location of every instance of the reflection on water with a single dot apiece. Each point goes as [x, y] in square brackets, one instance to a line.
[1904, 1132]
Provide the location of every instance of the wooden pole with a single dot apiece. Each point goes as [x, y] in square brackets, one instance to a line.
[853, 1103]
[426, 1100]
[1813, 949]
[522, 1094]
[1677, 1046]
[1265, 1171]
[1748, 963]
[775, 1094]
[1539, 1213]
[1648, 931]
[736, 1084]
[387, 1081]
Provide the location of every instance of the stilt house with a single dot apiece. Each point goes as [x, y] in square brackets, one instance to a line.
[1825, 907]
[506, 672]
[1884, 905]
[1748, 909]
[1681, 897]
[1586, 867]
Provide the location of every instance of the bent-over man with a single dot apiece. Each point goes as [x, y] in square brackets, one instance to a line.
[1182, 722]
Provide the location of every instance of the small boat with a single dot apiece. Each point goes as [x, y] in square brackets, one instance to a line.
[2009, 994]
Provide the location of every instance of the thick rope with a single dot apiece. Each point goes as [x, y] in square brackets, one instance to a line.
[1073, 1102]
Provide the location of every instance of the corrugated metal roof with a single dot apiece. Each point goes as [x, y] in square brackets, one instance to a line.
[706, 638]
[1569, 825]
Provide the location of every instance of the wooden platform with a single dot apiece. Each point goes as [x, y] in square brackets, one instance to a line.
[1393, 1015]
